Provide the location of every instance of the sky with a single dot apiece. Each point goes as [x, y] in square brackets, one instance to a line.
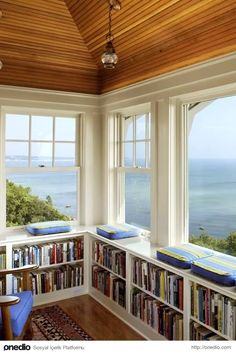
[213, 132]
[18, 128]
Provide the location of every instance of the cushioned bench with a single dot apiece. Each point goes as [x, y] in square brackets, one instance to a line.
[218, 268]
[182, 256]
[118, 231]
[48, 227]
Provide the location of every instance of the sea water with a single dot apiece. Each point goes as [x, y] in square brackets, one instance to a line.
[212, 195]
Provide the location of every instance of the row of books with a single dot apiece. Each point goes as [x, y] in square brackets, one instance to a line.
[53, 279]
[2, 260]
[214, 309]
[158, 281]
[198, 332]
[3, 286]
[160, 317]
[48, 253]
[110, 285]
[110, 257]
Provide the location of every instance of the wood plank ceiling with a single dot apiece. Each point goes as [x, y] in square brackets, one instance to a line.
[40, 46]
[57, 44]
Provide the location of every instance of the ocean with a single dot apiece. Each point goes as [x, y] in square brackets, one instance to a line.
[212, 195]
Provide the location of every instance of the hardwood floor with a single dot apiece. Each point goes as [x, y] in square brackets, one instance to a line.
[96, 320]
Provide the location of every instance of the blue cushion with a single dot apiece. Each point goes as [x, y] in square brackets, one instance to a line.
[182, 256]
[219, 268]
[19, 312]
[48, 227]
[117, 231]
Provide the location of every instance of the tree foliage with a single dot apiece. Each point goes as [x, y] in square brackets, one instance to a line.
[227, 245]
[23, 207]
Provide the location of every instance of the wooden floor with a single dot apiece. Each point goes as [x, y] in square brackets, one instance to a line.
[96, 320]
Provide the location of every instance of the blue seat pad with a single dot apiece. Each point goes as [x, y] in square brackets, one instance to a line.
[117, 231]
[183, 255]
[48, 227]
[219, 268]
[19, 313]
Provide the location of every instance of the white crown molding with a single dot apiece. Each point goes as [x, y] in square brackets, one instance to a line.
[220, 71]
[16, 95]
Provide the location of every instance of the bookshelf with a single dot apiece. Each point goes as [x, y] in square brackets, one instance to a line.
[123, 275]
[157, 298]
[108, 271]
[212, 313]
[61, 272]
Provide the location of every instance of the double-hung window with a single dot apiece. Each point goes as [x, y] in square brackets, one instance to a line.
[134, 170]
[212, 174]
[41, 167]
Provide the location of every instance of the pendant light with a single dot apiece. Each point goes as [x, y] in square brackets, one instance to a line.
[109, 57]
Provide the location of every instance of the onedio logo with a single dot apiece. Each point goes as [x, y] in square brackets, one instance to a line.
[16, 347]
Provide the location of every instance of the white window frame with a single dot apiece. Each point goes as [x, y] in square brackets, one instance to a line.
[180, 215]
[121, 169]
[8, 170]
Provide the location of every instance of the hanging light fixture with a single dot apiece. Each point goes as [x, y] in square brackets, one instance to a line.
[0, 60]
[109, 57]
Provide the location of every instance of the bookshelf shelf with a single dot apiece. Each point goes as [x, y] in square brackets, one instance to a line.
[210, 328]
[157, 298]
[214, 310]
[109, 270]
[61, 264]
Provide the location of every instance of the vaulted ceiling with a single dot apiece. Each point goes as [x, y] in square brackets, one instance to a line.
[57, 44]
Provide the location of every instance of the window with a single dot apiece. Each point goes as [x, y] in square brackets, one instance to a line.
[135, 170]
[41, 161]
[212, 174]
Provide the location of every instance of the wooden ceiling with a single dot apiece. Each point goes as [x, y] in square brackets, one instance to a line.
[56, 44]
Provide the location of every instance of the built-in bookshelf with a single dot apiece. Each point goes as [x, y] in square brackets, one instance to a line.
[61, 266]
[212, 310]
[108, 271]
[109, 257]
[157, 298]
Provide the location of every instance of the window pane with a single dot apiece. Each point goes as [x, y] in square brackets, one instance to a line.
[64, 154]
[148, 147]
[140, 155]
[149, 126]
[17, 127]
[65, 129]
[137, 199]
[41, 154]
[141, 127]
[41, 197]
[128, 154]
[41, 128]
[16, 154]
[212, 175]
[129, 128]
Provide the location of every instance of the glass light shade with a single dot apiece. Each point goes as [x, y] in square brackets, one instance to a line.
[109, 57]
